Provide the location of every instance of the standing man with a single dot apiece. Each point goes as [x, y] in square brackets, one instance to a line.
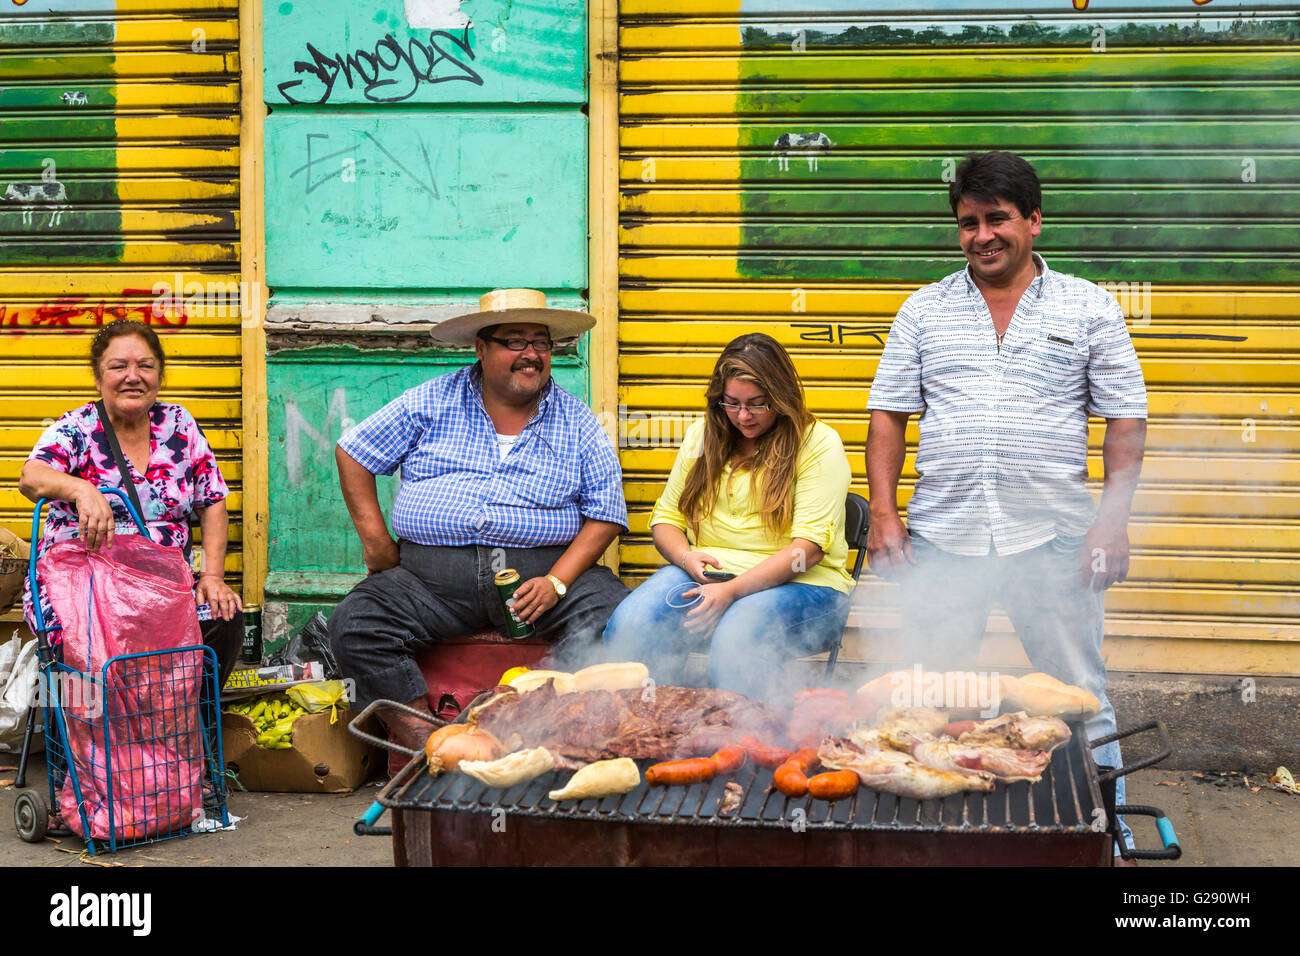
[1004, 361]
[500, 468]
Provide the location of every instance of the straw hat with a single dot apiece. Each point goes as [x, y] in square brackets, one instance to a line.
[512, 305]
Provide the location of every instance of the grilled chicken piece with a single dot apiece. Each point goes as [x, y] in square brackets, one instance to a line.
[1004, 763]
[896, 772]
[1019, 731]
[897, 727]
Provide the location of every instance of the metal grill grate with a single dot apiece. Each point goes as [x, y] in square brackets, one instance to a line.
[1063, 801]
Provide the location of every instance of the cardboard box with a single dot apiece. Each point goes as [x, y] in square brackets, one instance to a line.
[325, 758]
[13, 567]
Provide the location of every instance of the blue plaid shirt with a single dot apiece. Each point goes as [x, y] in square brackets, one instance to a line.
[456, 490]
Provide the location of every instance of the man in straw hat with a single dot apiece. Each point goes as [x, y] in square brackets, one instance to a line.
[501, 468]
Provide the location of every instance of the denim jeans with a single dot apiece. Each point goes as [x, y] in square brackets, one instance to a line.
[945, 601]
[446, 592]
[753, 638]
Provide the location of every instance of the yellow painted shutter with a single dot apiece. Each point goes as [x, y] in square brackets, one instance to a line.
[1169, 172]
[119, 171]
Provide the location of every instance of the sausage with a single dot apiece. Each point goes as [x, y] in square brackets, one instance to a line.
[833, 786]
[959, 727]
[791, 778]
[805, 759]
[672, 772]
[728, 759]
[762, 754]
[813, 693]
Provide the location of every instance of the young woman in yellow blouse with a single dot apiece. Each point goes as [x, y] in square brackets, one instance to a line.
[757, 492]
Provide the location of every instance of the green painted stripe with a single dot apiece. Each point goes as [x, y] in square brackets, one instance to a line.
[38, 251]
[926, 237]
[66, 128]
[1241, 200]
[1080, 98]
[59, 97]
[889, 166]
[906, 269]
[79, 65]
[954, 65]
[58, 32]
[27, 163]
[962, 32]
[1063, 133]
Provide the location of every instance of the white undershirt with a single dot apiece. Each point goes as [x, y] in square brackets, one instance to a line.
[505, 443]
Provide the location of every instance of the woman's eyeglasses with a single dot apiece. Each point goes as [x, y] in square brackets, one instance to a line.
[519, 344]
[736, 407]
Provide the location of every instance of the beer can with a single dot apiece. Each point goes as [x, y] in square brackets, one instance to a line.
[251, 651]
[507, 583]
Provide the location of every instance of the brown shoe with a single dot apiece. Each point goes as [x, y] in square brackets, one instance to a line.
[1120, 861]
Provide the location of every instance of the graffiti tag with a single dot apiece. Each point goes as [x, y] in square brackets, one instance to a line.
[390, 73]
[836, 332]
[78, 313]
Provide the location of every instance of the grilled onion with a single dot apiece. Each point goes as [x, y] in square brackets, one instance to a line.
[448, 746]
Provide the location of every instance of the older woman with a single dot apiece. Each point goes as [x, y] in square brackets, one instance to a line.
[169, 462]
[752, 525]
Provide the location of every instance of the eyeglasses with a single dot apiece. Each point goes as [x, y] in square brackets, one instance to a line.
[752, 409]
[518, 344]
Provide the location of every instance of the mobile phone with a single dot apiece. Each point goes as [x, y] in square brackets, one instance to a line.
[719, 575]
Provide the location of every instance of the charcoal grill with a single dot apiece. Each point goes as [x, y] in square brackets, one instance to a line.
[1066, 819]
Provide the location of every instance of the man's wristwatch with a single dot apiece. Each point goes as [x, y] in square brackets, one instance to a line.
[559, 585]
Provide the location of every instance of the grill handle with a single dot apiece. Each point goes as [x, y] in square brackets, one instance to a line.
[366, 825]
[1172, 850]
[354, 728]
[1166, 748]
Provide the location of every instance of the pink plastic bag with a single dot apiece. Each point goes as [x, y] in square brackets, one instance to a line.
[136, 737]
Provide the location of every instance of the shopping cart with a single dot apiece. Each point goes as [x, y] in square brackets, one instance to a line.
[135, 747]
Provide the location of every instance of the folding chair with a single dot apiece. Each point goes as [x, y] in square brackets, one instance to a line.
[856, 524]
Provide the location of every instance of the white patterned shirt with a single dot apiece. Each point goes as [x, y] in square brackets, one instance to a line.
[1002, 459]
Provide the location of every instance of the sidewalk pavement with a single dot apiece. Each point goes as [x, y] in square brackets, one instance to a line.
[1221, 819]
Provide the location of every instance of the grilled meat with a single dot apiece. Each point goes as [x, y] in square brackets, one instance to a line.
[898, 726]
[1019, 731]
[1002, 762]
[733, 794]
[896, 772]
[817, 713]
[653, 723]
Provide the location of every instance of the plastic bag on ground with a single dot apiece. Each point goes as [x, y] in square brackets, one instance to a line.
[311, 643]
[18, 672]
[326, 694]
[134, 738]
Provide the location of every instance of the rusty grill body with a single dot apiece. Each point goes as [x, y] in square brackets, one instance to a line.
[455, 820]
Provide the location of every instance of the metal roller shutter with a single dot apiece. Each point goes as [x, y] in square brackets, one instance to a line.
[1169, 147]
[119, 170]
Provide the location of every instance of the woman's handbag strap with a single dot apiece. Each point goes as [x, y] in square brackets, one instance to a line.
[118, 457]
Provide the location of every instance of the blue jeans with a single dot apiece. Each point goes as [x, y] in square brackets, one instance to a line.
[753, 638]
[945, 601]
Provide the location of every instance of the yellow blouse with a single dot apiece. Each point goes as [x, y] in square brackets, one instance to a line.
[734, 532]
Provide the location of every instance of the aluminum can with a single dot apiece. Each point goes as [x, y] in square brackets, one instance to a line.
[507, 583]
[251, 651]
